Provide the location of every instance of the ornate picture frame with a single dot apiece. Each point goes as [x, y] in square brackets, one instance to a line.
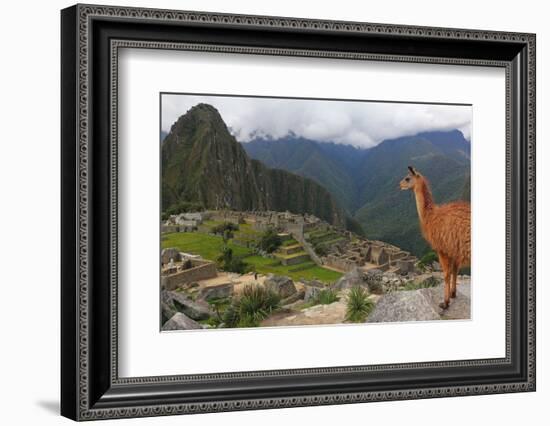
[91, 37]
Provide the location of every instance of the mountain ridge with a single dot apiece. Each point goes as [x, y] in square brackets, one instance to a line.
[368, 178]
[203, 163]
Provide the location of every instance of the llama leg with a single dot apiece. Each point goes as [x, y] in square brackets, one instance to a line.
[446, 267]
[454, 274]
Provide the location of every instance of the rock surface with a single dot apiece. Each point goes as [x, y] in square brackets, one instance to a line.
[353, 278]
[181, 322]
[312, 290]
[284, 286]
[404, 306]
[319, 314]
[196, 310]
[421, 305]
[219, 291]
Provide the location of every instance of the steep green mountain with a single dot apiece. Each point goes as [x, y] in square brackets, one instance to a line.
[203, 163]
[367, 181]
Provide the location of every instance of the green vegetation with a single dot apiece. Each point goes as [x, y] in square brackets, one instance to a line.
[211, 246]
[289, 242]
[427, 260]
[270, 241]
[229, 263]
[359, 306]
[224, 227]
[254, 304]
[427, 283]
[207, 246]
[265, 265]
[327, 296]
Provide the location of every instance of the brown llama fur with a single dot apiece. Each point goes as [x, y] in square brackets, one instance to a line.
[445, 227]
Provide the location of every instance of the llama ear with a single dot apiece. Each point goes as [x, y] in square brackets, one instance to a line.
[412, 171]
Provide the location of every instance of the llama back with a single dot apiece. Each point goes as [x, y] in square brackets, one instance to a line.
[448, 230]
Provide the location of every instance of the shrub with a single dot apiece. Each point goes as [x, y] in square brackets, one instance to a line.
[320, 250]
[225, 226]
[327, 296]
[253, 305]
[229, 263]
[359, 306]
[428, 259]
[270, 241]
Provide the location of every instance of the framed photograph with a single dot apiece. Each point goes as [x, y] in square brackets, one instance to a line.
[263, 212]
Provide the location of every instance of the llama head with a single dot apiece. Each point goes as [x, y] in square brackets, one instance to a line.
[409, 181]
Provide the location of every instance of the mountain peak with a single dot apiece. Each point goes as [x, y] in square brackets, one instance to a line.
[199, 114]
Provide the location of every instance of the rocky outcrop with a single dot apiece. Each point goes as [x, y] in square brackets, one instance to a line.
[312, 290]
[219, 291]
[181, 322]
[404, 306]
[197, 310]
[282, 285]
[298, 296]
[333, 313]
[353, 278]
[421, 305]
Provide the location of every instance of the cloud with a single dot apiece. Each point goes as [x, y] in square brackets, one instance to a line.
[362, 124]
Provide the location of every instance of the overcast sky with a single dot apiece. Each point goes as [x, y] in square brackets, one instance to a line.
[362, 124]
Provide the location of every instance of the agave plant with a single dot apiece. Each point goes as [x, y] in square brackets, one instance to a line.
[359, 306]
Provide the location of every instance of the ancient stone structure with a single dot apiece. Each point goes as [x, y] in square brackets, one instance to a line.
[184, 222]
[186, 272]
[369, 254]
[341, 250]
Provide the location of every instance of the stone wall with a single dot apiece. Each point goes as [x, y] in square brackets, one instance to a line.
[339, 263]
[295, 260]
[201, 270]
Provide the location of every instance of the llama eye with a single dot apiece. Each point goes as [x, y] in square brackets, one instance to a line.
[407, 179]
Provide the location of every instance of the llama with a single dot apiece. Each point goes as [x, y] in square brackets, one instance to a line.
[445, 227]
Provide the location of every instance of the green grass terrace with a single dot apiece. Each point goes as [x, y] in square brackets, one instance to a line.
[210, 246]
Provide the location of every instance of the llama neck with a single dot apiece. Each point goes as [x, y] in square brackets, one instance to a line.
[424, 200]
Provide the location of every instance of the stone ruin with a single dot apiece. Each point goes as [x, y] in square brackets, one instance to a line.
[178, 269]
[367, 254]
[184, 222]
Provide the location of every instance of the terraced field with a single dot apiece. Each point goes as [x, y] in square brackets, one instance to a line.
[210, 246]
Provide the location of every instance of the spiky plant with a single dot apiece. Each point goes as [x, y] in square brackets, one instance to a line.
[359, 306]
[327, 296]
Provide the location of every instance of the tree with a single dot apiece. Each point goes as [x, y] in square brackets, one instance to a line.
[229, 263]
[270, 241]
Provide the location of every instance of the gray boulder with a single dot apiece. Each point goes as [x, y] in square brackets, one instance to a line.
[219, 291]
[181, 322]
[284, 286]
[417, 305]
[312, 290]
[167, 308]
[375, 281]
[353, 278]
[197, 310]
[299, 295]
[167, 311]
